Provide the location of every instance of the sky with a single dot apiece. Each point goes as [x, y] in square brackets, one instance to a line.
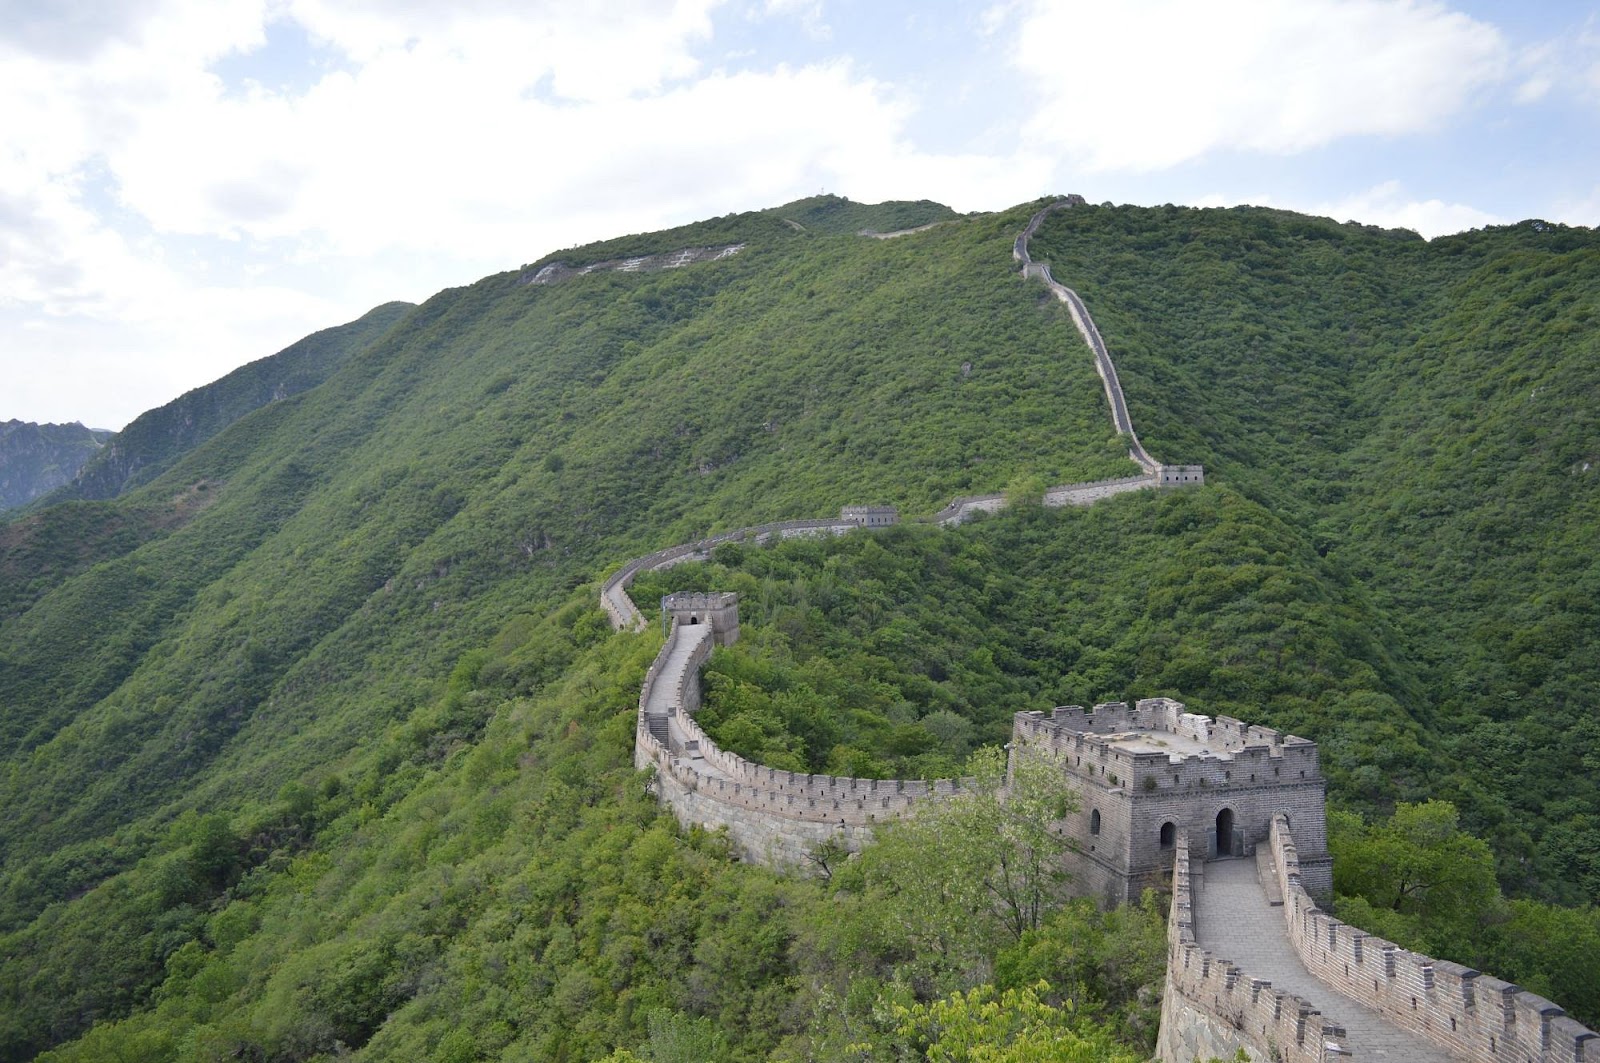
[189, 185]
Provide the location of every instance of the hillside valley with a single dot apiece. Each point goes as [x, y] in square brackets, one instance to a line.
[317, 742]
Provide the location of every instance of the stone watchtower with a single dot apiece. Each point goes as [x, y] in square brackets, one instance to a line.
[1146, 775]
[870, 516]
[719, 609]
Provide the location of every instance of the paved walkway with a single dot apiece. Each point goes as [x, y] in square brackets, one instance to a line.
[1234, 921]
[660, 703]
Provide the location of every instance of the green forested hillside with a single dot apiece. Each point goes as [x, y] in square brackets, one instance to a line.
[318, 739]
[1427, 415]
[154, 440]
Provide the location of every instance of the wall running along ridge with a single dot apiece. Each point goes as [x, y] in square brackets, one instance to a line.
[1086, 328]
[614, 592]
[778, 816]
[1211, 1007]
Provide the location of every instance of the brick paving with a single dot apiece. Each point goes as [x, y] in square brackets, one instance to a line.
[1235, 921]
[660, 703]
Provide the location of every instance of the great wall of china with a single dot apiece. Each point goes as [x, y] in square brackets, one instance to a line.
[1305, 988]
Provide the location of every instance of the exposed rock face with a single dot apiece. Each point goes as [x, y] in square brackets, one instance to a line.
[35, 459]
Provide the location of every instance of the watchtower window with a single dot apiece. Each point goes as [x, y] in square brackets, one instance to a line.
[1094, 822]
[1169, 835]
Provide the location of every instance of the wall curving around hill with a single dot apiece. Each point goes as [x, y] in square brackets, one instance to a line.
[781, 817]
[772, 816]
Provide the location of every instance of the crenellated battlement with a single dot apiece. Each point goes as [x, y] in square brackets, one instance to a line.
[1473, 1016]
[1147, 773]
[1160, 745]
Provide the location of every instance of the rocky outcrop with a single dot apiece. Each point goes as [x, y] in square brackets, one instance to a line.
[36, 459]
[555, 272]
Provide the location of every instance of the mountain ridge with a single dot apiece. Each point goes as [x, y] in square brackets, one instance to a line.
[36, 459]
[155, 439]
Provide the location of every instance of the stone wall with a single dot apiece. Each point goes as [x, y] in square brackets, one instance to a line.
[1213, 1008]
[1471, 1015]
[625, 615]
[1089, 493]
[772, 816]
[1086, 328]
[613, 593]
[964, 508]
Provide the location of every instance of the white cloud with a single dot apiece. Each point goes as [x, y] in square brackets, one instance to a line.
[810, 14]
[454, 140]
[1385, 205]
[1148, 85]
[1583, 211]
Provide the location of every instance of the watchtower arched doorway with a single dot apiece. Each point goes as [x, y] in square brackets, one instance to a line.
[1225, 832]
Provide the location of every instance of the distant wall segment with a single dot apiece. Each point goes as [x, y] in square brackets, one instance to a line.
[1086, 328]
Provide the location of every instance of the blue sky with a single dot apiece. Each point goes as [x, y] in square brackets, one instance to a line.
[187, 185]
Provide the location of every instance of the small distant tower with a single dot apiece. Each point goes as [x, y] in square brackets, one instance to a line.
[1182, 475]
[719, 609]
[870, 516]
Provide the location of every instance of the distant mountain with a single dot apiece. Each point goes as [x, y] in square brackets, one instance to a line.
[157, 438]
[35, 459]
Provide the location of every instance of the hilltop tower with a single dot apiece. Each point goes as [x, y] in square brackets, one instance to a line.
[1150, 775]
[719, 609]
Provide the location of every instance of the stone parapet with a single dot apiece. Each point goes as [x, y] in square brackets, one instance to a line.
[773, 815]
[1214, 1008]
[625, 615]
[1238, 756]
[1473, 1016]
